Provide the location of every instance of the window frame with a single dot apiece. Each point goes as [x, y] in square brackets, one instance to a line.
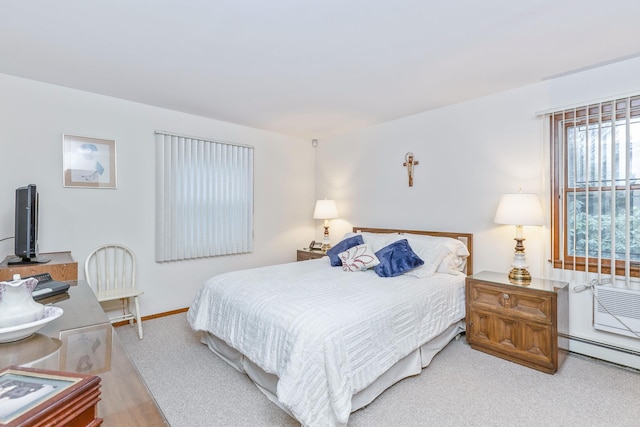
[560, 122]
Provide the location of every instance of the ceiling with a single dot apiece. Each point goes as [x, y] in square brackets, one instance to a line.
[310, 68]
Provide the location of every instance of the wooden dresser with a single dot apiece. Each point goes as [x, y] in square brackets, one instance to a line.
[526, 324]
[62, 267]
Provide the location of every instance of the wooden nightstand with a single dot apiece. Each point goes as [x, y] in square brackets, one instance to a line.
[526, 324]
[306, 254]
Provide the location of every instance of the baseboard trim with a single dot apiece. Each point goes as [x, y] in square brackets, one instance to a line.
[609, 353]
[154, 316]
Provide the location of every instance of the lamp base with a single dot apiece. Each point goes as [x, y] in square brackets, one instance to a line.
[326, 243]
[520, 276]
[519, 273]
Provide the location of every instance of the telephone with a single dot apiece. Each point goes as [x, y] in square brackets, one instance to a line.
[315, 246]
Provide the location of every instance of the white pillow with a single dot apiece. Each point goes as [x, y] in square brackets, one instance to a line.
[453, 245]
[452, 264]
[442, 254]
[358, 258]
[376, 241]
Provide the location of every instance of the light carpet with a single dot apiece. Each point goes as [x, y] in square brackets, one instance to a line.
[462, 386]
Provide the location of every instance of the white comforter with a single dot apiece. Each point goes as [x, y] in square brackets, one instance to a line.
[325, 333]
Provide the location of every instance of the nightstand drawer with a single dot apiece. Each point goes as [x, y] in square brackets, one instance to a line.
[510, 301]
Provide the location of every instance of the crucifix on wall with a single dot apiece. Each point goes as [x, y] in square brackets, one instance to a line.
[409, 164]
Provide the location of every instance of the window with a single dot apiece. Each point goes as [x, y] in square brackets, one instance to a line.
[595, 162]
[204, 198]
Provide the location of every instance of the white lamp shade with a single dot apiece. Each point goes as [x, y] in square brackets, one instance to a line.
[519, 209]
[325, 209]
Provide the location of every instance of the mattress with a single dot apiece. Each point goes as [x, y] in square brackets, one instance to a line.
[324, 333]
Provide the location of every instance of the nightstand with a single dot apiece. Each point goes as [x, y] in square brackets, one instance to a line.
[306, 254]
[526, 324]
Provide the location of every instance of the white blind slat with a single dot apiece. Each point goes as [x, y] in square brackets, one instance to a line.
[204, 198]
[595, 186]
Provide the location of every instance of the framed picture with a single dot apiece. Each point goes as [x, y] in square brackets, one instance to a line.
[88, 162]
[86, 350]
[23, 391]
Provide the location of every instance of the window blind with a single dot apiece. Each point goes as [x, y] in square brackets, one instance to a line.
[204, 197]
[595, 181]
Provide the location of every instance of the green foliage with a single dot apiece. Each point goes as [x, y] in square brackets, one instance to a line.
[601, 233]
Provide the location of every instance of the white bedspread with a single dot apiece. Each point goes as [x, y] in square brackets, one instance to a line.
[325, 333]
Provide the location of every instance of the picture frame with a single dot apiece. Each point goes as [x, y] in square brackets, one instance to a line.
[29, 394]
[88, 162]
[86, 350]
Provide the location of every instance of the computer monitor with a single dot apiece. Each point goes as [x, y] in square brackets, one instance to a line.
[26, 227]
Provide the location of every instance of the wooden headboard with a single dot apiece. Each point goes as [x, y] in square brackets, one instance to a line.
[466, 238]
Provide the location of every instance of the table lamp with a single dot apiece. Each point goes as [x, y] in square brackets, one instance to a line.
[325, 209]
[519, 209]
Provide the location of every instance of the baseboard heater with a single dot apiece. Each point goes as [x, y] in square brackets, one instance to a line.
[612, 303]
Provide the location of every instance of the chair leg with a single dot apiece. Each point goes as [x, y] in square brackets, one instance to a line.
[138, 319]
[129, 311]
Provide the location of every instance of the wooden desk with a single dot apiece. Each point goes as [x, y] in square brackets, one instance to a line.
[62, 267]
[60, 346]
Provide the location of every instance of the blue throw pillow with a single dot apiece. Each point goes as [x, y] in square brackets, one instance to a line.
[342, 246]
[396, 258]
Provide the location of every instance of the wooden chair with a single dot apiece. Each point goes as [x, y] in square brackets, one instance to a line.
[110, 270]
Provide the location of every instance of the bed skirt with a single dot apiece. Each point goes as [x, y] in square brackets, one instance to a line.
[409, 366]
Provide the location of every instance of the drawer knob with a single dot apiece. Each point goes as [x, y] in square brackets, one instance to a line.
[505, 296]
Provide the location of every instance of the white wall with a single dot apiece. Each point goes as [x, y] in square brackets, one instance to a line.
[33, 117]
[469, 155]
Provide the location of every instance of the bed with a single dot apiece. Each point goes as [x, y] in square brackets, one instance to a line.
[321, 341]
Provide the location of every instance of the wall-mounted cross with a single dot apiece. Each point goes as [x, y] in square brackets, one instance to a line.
[409, 164]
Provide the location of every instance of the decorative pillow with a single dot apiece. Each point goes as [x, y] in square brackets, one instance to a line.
[342, 246]
[358, 258]
[396, 259]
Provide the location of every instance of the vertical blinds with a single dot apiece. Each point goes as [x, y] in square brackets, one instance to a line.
[204, 198]
[596, 187]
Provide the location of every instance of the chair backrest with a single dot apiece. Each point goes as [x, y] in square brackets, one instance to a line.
[110, 266]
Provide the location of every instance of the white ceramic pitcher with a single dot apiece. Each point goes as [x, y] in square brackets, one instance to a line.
[17, 306]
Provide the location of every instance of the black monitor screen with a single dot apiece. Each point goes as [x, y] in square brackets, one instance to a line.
[26, 237]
